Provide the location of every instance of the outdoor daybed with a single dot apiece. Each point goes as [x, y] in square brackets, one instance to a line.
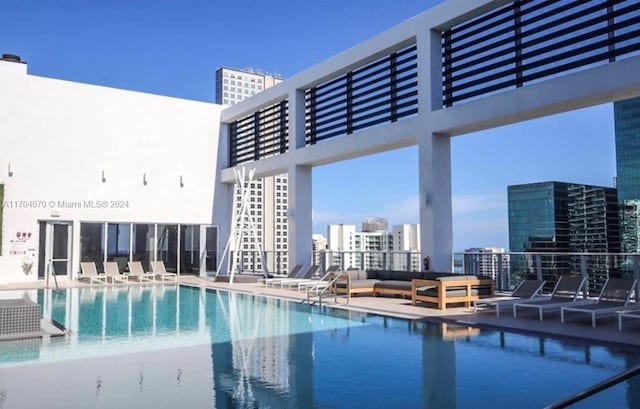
[451, 289]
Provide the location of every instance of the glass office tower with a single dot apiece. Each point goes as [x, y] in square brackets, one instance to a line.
[558, 217]
[627, 127]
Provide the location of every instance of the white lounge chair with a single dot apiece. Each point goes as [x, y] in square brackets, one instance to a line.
[90, 273]
[614, 297]
[137, 273]
[273, 281]
[527, 289]
[158, 268]
[112, 271]
[631, 311]
[304, 277]
[566, 291]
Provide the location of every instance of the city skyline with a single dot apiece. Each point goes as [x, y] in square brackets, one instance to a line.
[171, 50]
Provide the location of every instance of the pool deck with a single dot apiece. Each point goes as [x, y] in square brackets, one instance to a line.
[578, 329]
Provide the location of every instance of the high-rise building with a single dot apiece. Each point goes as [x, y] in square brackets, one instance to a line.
[406, 246]
[371, 250]
[319, 244]
[562, 218]
[268, 201]
[627, 128]
[373, 224]
[234, 85]
[486, 261]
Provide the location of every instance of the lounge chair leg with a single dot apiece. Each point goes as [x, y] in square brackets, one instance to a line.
[561, 316]
[540, 314]
[593, 320]
[619, 322]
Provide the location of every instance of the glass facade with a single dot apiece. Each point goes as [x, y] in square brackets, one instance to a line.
[118, 244]
[562, 218]
[124, 242]
[92, 244]
[627, 127]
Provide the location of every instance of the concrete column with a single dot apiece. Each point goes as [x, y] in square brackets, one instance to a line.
[222, 199]
[436, 228]
[299, 215]
[434, 156]
[296, 120]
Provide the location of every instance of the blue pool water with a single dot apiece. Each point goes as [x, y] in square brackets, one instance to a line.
[184, 347]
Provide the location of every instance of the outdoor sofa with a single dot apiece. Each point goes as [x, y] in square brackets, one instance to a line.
[417, 285]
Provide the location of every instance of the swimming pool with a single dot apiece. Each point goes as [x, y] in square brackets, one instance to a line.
[186, 347]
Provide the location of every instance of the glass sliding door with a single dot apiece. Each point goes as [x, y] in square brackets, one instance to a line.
[92, 244]
[211, 249]
[143, 244]
[167, 245]
[190, 249]
[118, 243]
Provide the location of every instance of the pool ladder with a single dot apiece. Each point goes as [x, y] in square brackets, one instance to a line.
[326, 290]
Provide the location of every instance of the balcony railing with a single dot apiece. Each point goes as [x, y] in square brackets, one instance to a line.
[508, 269]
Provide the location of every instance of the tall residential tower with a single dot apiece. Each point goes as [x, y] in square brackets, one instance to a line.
[268, 201]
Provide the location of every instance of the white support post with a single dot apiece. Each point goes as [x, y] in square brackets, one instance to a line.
[434, 158]
[436, 227]
[299, 215]
[297, 132]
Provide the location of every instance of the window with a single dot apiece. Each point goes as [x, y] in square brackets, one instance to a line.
[142, 238]
[92, 243]
[118, 241]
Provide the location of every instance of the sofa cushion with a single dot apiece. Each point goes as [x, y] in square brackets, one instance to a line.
[357, 284]
[405, 275]
[379, 274]
[433, 275]
[451, 291]
[432, 291]
[457, 278]
[393, 285]
[356, 274]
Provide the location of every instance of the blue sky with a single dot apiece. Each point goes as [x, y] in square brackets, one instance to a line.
[173, 47]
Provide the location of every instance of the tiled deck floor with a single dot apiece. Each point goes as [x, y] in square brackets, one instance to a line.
[578, 328]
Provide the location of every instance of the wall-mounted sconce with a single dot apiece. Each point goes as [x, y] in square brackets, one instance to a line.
[9, 171]
[181, 182]
[144, 179]
[104, 178]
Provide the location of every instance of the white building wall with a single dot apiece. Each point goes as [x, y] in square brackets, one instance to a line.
[71, 142]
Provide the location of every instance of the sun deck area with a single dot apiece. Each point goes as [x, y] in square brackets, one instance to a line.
[577, 329]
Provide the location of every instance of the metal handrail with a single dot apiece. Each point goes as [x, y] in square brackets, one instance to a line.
[319, 294]
[52, 269]
[594, 389]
